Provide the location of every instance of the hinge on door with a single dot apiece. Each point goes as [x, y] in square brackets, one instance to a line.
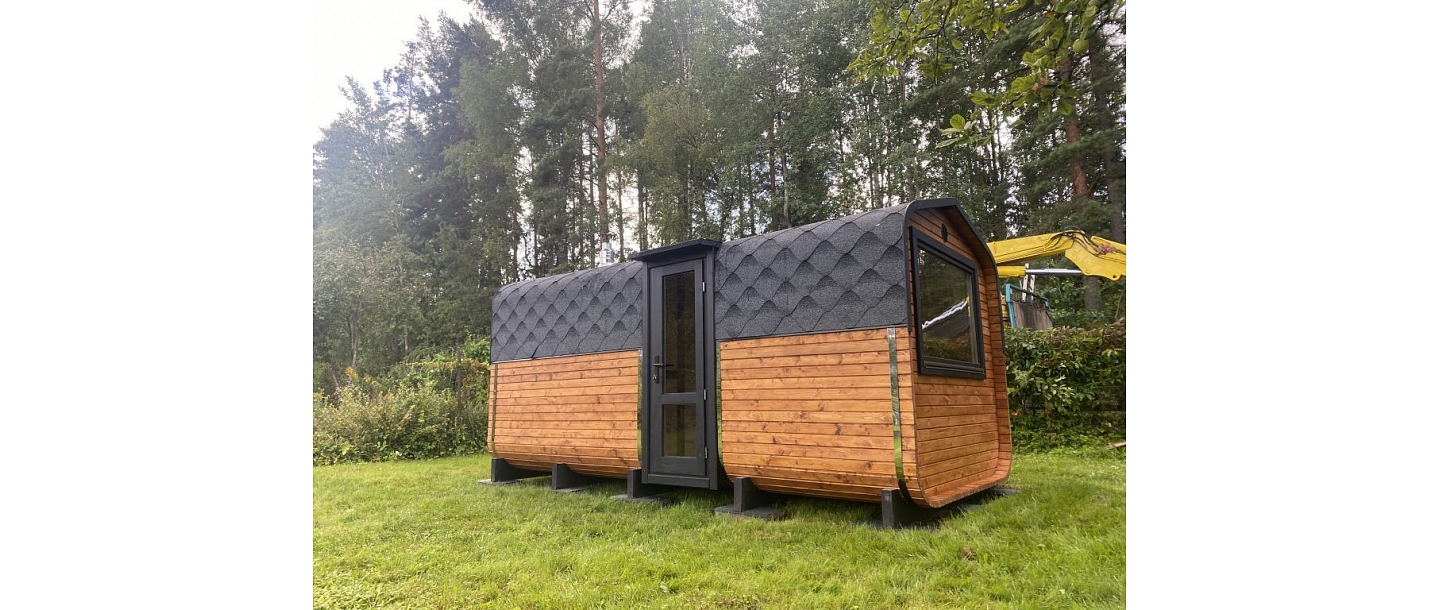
[704, 453]
[704, 395]
[702, 285]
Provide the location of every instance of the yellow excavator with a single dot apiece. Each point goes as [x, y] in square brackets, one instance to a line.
[1095, 256]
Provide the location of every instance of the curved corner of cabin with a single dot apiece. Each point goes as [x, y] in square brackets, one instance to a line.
[961, 429]
[581, 411]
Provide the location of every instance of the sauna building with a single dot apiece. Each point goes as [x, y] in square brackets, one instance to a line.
[853, 358]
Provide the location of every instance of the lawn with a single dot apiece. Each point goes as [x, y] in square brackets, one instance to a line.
[423, 534]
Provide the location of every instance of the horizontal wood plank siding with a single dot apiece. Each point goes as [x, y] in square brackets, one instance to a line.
[801, 414]
[577, 410]
[810, 414]
[963, 425]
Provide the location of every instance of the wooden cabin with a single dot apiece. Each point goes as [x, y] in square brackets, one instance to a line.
[838, 359]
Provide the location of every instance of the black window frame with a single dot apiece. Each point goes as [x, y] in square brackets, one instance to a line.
[945, 366]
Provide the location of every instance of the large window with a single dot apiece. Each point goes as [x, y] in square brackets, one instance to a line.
[947, 311]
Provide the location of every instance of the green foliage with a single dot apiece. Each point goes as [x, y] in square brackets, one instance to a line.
[416, 205]
[404, 423]
[365, 305]
[926, 31]
[1030, 95]
[1066, 385]
[472, 163]
[431, 405]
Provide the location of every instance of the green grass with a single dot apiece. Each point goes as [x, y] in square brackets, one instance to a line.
[423, 534]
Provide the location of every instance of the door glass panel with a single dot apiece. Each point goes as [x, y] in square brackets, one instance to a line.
[678, 307]
[679, 430]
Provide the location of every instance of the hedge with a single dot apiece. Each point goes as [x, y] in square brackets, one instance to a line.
[1067, 385]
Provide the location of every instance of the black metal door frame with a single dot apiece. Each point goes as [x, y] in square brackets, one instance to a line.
[701, 469]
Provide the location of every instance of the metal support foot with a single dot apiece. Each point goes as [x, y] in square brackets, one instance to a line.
[747, 495]
[563, 479]
[750, 502]
[636, 491]
[896, 512]
[502, 473]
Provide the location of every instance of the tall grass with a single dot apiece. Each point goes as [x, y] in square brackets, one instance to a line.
[366, 425]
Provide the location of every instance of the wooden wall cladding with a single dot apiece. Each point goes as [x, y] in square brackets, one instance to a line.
[800, 414]
[811, 414]
[578, 410]
[962, 425]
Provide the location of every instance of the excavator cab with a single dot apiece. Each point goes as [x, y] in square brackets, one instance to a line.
[1026, 309]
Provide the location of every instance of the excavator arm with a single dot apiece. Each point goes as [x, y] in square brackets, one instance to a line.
[1093, 255]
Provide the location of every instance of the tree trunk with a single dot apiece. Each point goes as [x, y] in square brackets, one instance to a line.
[770, 137]
[589, 176]
[354, 328]
[600, 123]
[1079, 184]
[642, 223]
[1092, 293]
[785, 187]
[1077, 170]
[746, 201]
[1072, 136]
[691, 195]
[334, 378]
[684, 36]
[620, 218]
[750, 196]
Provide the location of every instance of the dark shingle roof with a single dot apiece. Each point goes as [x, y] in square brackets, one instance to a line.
[833, 275]
[584, 312]
[840, 274]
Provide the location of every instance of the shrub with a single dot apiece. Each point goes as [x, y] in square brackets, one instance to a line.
[432, 405]
[1067, 385]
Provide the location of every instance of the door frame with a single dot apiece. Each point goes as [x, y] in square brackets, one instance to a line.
[702, 251]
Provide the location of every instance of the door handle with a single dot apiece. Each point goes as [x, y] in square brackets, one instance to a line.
[655, 367]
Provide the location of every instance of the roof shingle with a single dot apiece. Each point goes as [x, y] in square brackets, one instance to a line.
[827, 276]
[584, 312]
[834, 275]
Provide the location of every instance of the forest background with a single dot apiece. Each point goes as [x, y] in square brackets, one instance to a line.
[536, 137]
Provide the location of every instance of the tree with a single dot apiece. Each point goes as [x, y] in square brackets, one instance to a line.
[524, 142]
[1059, 76]
[565, 44]
[364, 304]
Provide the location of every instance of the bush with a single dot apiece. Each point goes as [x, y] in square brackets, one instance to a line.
[1067, 385]
[432, 405]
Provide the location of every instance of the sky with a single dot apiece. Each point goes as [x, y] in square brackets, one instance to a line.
[361, 38]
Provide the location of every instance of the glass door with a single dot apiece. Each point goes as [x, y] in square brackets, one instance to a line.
[676, 443]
